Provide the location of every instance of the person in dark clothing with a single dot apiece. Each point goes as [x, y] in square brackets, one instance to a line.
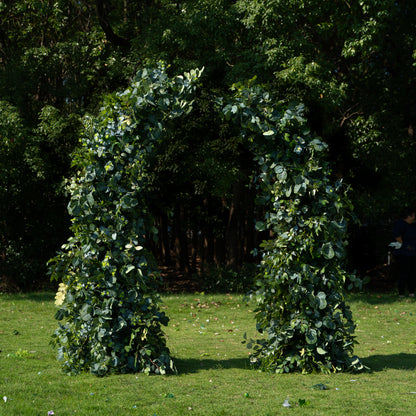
[404, 232]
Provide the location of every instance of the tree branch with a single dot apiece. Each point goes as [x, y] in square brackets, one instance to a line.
[348, 114]
[108, 30]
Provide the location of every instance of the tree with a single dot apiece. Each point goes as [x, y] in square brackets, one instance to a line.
[350, 63]
[59, 59]
[53, 68]
[13, 172]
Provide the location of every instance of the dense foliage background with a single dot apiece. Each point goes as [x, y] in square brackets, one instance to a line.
[352, 63]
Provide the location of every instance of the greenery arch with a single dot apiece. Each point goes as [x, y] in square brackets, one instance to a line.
[108, 309]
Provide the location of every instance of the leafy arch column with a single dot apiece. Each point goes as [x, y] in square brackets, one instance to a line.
[301, 311]
[109, 316]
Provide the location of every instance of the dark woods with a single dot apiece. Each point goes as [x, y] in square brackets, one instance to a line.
[351, 63]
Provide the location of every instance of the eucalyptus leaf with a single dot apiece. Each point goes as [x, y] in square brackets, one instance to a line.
[281, 173]
[322, 302]
[328, 251]
[311, 337]
[129, 268]
[260, 225]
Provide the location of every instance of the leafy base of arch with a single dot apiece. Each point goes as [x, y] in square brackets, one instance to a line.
[108, 306]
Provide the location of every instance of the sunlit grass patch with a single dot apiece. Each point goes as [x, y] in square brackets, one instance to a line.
[214, 374]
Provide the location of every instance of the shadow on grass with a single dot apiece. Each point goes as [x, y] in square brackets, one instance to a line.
[42, 296]
[192, 365]
[32, 296]
[377, 298]
[400, 361]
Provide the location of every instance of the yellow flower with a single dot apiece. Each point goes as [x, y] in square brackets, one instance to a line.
[60, 295]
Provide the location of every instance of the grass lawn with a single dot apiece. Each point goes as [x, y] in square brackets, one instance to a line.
[204, 336]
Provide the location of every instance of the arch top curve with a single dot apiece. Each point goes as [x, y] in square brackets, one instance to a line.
[138, 112]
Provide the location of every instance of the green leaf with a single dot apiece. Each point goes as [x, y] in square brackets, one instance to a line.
[303, 403]
[129, 268]
[281, 173]
[85, 312]
[311, 337]
[320, 386]
[260, 225]
[318, 145]
[327, 251]
[128, 202]
[321, 297]
[90, 199]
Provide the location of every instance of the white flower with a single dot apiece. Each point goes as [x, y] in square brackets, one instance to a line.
[60, 294]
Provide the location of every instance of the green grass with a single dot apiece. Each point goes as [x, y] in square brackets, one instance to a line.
[204, 336]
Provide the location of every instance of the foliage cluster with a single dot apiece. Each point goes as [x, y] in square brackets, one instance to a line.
[301, 311]
[108, 303]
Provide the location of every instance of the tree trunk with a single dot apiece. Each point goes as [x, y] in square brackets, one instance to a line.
[164, 239]
[181, 239]
[235, 231]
